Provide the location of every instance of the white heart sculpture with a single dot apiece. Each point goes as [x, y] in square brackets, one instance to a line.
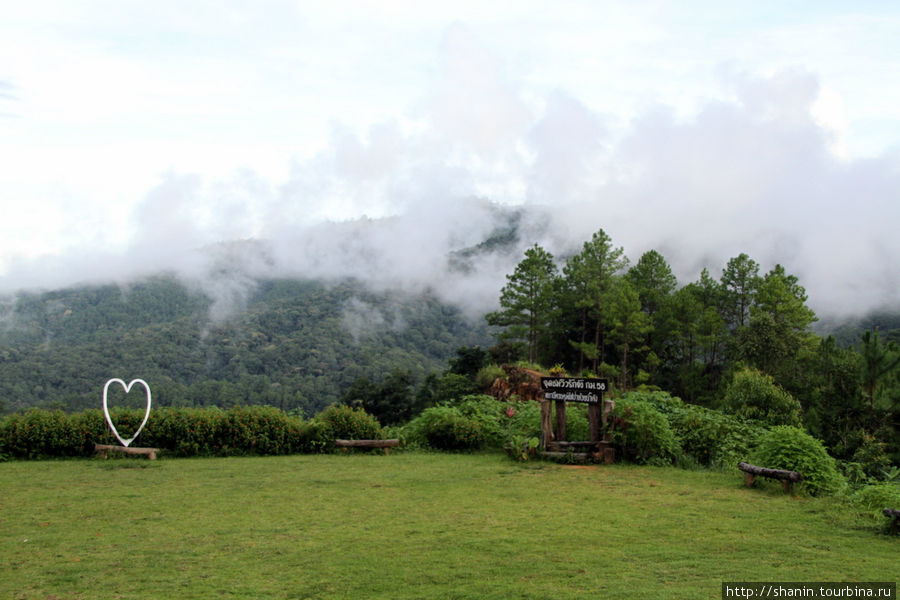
[127, 389]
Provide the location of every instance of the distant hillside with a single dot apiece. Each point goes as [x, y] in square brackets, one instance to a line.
[848, 332]
[293, 344]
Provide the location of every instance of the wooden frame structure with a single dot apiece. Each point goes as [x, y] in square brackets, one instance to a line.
[560, 391]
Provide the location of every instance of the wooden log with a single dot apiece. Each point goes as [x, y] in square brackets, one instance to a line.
[560, 420]
[594, 421]
[104, 450]
[595, 445]
[779, 474]
[546, 425]
[394, 443]
[578, 455]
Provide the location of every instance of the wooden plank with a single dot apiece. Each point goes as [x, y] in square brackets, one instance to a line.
[394, 443]
[104, 450]
[770, 473]
[578, 455]
[597, 445]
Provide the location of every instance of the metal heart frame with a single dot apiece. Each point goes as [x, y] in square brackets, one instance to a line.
[127, 389]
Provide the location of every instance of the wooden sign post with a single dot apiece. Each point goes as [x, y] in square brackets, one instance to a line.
[562, 390]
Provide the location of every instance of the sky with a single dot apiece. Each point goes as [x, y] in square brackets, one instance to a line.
[372, 138]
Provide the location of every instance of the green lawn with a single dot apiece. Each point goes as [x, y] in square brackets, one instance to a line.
[411, 525]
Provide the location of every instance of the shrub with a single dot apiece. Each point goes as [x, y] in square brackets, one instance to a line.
[348, 423]
[872, 458]
[662, 401]
[522, 448]
[522, 419]
[792, 449]
[179, 431]
[642, 433]
[446, 428]
[40, 434]
[186, 431]
[491, 416]
[486, 376]
[312, 437]
[874, 498]
[255, 430]
[713, 438]
[755, 395]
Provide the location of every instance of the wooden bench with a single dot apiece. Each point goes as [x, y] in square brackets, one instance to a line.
[386, 444]
[787, 478]
[893, 513]
[104, 450]
[601, 450]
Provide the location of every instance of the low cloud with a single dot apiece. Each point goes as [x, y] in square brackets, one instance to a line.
[392, 205]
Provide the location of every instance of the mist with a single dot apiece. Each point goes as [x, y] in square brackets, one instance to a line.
[389, 204]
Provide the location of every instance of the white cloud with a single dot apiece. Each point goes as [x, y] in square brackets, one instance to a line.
[143, 137]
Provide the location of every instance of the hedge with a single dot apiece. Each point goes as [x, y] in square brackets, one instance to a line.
[242, 430]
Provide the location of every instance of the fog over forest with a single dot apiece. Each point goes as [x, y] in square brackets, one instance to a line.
[480, 151]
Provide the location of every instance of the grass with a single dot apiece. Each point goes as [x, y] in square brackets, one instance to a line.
[411, 525]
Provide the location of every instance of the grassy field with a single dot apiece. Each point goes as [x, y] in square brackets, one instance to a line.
[411, 526]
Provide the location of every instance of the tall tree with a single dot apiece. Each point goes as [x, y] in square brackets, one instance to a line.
[629, 326]
[879, 361]
[526, 300]
[654, 282]
[590, 276]
[779, 326]
[740, 278]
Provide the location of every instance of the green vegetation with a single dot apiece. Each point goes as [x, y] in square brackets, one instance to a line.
[743, 342]
[296, 345]
[411, 526]
[793, 449]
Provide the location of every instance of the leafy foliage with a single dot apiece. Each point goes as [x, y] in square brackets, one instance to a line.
[346, 423]
[792, 449]
[242, 430]
[446, 428]
[642, 433]
[755, 395]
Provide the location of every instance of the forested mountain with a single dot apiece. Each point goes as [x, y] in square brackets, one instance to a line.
[293, 344]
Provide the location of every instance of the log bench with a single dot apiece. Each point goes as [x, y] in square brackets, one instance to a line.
[602, 450]
[787, 478]
[893, 513]
[104, 450]
[386, 444]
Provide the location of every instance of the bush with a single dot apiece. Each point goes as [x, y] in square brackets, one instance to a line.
[186, 431]
[486, 376]
[754, 395]
[874, 498]
[348, 423]
[178, 431]
[713, 438]
[491, 416]
[872, 458]
[312, 437]
[446, 428]
[641, 433]
[792, 449]
[40, 434]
